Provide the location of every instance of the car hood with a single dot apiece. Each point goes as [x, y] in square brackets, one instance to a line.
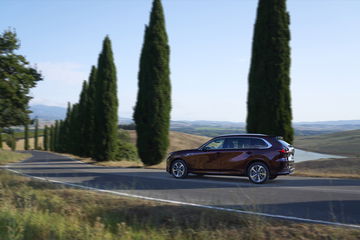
[184, 151]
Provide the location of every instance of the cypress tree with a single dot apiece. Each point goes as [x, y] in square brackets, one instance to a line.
[89, 121]
[1, 141]
[153, 106]
[46, 138]
[66, 130]
[107, 105]
[269, 100]
[56, 136]
[26, 136]
[83, 104]
[36, 135]
[52, 138]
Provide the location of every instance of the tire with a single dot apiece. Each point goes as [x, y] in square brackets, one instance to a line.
[179, 169]
[258, 173]
[272, 177]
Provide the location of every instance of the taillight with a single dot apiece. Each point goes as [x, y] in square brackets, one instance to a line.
[284, 151]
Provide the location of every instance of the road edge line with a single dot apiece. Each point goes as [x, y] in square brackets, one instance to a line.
[187, 203]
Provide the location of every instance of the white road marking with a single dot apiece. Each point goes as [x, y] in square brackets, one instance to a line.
[190, 204]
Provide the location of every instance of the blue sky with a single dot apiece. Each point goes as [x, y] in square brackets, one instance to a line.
[210, 44]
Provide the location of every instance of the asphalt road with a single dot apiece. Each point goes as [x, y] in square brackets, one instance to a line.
[333, 200]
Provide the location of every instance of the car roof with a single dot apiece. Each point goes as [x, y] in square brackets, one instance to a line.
[244, 135]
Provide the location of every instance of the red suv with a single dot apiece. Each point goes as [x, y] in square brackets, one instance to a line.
[257, 156]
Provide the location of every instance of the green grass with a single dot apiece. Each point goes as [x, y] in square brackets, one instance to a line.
[32, 210]
[9, 157]
[342, 143]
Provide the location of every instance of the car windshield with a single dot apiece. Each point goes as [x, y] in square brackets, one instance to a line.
[215, 144]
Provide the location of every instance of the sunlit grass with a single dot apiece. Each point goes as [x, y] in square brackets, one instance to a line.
[32, 209]
[9, 157]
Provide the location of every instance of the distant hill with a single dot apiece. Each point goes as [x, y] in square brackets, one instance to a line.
[213, 128]
[47, 113]
[341, 143]
[178, 140]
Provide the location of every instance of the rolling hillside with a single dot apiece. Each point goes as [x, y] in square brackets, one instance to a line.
[178, 140]
[342, 143]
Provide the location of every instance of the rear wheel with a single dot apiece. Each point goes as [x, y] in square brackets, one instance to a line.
[179, 169]
[258, 173]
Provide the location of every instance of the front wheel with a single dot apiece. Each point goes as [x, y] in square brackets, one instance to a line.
[179, 169]
[258, 173]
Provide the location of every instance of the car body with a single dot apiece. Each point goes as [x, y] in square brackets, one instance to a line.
[258, 156]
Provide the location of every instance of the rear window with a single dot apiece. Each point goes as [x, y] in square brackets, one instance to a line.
[285, 144]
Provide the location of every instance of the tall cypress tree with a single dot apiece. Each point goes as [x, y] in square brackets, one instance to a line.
[36, 135]
[51, 137]
[90, 111]
[1, 141]
[269, 100]
[107, 105]
[83, 104]
[26, 136]
[153, 106]
[56, 136]
[46, 138]
[66, 139]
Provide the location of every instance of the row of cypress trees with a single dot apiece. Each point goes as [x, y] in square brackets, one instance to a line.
[90, 126]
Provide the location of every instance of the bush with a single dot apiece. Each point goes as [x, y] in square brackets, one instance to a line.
[126, 151]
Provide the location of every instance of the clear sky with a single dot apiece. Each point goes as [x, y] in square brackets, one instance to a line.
[210, 44]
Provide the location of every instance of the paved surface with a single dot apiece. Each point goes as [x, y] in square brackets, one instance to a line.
[335, 200]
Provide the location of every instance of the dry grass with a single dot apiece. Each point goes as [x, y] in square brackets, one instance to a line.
[7, 156]
[178, 141]
[20, 144]
[337, 168]
[32, 210]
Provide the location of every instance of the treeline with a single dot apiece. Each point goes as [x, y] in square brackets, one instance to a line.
[90, 127]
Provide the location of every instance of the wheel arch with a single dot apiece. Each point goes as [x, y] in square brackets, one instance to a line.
[254, 161]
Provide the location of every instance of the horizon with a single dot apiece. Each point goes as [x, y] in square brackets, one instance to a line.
[204, 120]
[208, 71]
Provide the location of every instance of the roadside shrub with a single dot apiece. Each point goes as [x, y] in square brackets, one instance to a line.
[126, 151]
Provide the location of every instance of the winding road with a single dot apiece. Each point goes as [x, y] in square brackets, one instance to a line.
[321, 200]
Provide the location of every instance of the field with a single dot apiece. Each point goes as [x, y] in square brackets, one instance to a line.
[343, 143]
[20, 144]
[36, 210]
[9, 157]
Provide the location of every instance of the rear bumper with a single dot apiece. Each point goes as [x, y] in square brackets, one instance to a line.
[285, 167]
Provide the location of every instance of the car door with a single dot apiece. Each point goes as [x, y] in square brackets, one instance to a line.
[206, 159]
[235, 154]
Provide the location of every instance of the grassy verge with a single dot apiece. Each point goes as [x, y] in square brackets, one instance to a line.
[31, 209]
[339, 168]
[9, 157]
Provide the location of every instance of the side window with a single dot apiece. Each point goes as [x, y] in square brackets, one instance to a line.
[216, 144]
[258, 143]
[244, 143]
[231, 143]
